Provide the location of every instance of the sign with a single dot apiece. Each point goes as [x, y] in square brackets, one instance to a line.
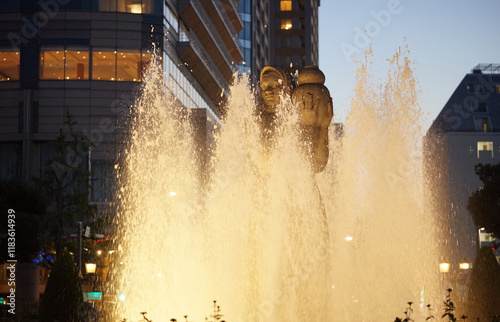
[87, 231]
[92, 296]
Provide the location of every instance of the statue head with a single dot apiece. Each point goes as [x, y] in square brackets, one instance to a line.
[273, 82]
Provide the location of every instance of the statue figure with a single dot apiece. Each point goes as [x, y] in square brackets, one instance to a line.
[274, 82]
[315, 114]
[314, 104]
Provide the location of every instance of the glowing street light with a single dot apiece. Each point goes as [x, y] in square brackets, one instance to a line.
[90, 268]
[464, 264]
[444, 267]
[348, 238]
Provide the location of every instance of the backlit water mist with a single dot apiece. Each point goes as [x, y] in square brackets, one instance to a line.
[265, 237]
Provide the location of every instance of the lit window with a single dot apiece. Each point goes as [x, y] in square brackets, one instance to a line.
[9, 65]
[135, 6]
[286, 5]
[286, 24]
[498, 89]
[52, 64]
[103, 65]
[484, 146]
[146, 61]
[128, 66]
[77, 64]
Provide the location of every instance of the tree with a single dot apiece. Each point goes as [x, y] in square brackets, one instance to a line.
[66, 184]
[63, 298]
[484, 203]
[484, 288]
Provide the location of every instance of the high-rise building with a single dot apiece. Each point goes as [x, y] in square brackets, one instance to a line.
[465, 133]
[294, 32]
[281, 32]
[87, 58]
[254, 36]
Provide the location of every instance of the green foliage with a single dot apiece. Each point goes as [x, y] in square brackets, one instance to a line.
[484, 203]
[484, 287]
[29, 207]
[63, 298]
[66, 184]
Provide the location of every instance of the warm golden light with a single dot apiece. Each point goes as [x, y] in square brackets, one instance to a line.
[135, 8]
[286, 5]
[464, 264]
[286, 24]
[90, 268]
[9, 69]
[444, 267]
[263, 227]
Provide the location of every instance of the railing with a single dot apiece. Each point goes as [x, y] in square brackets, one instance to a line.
[487, 68]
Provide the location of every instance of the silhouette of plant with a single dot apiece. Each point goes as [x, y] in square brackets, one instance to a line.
[449, 309]
[429, 310]
[408, 313]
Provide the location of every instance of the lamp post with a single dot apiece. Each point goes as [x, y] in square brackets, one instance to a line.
[94, 293]
[444, 267]
[80, 248]
[90, 267]
[458, 280]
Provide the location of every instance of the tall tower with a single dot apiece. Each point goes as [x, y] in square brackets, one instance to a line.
[294, 32]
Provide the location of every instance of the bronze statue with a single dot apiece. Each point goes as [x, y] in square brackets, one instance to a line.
[274, 81]
[314, 104]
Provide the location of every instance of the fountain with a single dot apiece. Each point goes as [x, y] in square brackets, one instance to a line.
[257, 238]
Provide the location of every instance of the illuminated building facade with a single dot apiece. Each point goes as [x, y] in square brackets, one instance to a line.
[87, 58]
[465, 133]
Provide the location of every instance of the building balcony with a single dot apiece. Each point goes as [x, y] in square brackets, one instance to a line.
[193, 54]
[226, 30]
[197, 20]
[230, 7]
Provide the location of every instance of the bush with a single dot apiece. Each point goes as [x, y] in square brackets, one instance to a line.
[484, 289]
[63, 298]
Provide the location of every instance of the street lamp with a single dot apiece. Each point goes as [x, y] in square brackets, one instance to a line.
[464, 264]
[444, 267]
[90, 268]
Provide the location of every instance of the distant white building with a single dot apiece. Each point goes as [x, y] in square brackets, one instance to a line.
[465, 133]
